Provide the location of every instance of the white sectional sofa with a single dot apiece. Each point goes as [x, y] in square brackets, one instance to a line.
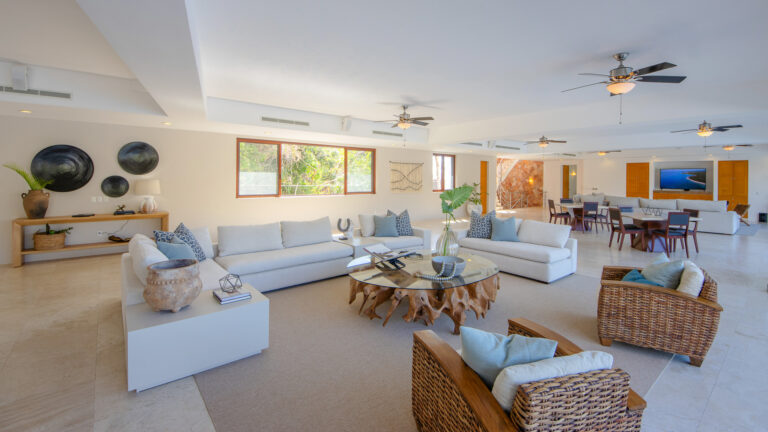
[544, 253]
[420, 240]
[715, 217]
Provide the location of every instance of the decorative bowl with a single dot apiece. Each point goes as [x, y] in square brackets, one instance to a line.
[446, 264]
[173, 284]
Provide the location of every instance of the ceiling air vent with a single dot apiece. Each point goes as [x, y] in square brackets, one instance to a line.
[34, 92]
[474, 144]
[507, 147]
[285, 121]
[394, 134]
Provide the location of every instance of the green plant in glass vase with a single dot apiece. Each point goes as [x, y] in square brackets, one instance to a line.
[447, 243]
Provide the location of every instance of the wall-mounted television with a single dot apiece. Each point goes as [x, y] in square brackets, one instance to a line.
[683, 178]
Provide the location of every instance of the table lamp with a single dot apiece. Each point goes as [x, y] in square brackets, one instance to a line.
[148, 189]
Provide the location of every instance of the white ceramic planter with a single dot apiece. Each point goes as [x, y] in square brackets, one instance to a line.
[474, 208]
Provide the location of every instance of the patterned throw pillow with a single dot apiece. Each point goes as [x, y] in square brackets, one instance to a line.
[184, 234]
[403, 223]
[479, 225]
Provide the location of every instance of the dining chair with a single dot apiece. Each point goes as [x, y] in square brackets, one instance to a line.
[591, 214]
[741, 210]
[677, 229]
[566, 201]
[692, 233]
[626, 209]
[579, 219]
[554, 214]
[618, 226]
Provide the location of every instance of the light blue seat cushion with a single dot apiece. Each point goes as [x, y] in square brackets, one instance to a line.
[503, 229]
[176, 249]
[635, 276]
[385, 226]
[664, 272]
[488, 353]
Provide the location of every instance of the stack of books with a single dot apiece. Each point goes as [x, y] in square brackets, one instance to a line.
[230, 297]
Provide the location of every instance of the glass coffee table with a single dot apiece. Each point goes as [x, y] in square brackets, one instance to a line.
[475, 289]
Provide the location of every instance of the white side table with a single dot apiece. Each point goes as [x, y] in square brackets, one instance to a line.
[163, 346]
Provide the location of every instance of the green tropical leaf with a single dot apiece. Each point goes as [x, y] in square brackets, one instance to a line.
[35, 183]
[455, 198]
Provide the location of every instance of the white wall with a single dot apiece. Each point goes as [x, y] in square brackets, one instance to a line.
[609, 176]
[197, 176]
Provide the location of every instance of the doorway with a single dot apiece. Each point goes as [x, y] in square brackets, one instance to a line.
[569, 181]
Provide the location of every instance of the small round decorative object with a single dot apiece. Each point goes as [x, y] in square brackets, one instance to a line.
[173, 284]
[448, 266]
[230, 283]
[114, 186]
[138, 158]
[69, 167]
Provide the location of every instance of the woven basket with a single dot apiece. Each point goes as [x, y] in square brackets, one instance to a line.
[49, 241]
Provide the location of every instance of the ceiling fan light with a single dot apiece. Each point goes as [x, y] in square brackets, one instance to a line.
[403, 125]
[620, 87]
[727, 147]
[543, 144]
[601, 153]
[704, 132]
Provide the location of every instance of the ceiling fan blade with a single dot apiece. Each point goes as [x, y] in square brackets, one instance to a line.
[568, 154]
[592, 74]
[654, 68]
[422, 118]
[744, 145]
[394, 125]
[601, 82]
[662, 79]
[383, 121]
[684, 130]
[532, 142]
[724, 128]
[557, 141]
[420, 123]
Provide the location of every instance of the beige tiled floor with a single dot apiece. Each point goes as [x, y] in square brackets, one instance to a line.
[62, 362]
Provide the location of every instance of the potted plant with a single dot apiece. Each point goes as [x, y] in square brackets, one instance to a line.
[447, 243]
[50, 239]
[36, 200]
[473, 202]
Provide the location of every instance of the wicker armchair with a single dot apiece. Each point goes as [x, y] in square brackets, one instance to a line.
[656, 317]
[448, 396]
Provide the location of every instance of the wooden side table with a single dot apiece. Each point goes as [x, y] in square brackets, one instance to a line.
[17, 232]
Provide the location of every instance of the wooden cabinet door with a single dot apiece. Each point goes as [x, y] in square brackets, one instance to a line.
[733, 182]
[637, 179]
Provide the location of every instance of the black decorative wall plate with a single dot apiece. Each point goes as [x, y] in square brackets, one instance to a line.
[69, 167]
[138, 158]
[114, 186]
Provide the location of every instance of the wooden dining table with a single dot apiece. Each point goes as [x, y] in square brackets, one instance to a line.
[649, 223]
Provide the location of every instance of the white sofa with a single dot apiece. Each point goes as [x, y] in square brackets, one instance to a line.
[544, 253]
[420, 240]
[268, 257]
[715, 217]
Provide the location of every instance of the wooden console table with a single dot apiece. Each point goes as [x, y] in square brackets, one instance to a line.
[17, 232]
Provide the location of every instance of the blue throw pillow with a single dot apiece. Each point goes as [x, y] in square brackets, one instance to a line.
[635, 276]
[503, 229]
[488, 353]
[479, 225]
[384, 226]
[664, 272]
[176, 249]
[403, 222]
[184, 234]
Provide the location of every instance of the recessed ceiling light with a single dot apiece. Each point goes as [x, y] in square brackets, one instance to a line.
[267, 133]
[25, 111]
[165, 123]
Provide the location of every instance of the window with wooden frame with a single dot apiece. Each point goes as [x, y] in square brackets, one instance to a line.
[273, 168]
[443, 172]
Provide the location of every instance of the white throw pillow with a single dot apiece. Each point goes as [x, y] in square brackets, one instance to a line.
[240, 239]
[512, 377]
[692, 279]
[300, 233]
[203, 237]
[542, 233]
[367, 227]
[144, 253]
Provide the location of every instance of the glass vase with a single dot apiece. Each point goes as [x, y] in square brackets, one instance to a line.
[448, 243]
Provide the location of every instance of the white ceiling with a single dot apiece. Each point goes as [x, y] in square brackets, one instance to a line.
[493, 70]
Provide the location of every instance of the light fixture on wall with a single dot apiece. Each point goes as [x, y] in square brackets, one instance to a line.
[573, 173]
[530, 180]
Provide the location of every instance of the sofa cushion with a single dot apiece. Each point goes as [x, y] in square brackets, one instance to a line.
[617, 201]
[667, 204]
[526, 251]
[184, 234]
[367, 228]
[210, 273]
[204, 239]
[300, 233]
[510, 378]
[385, 226]
[664, 272]
[479, 225]
[692, 279]
[703, 205]
[635, 276]
[594, 197]
[542, 233]
[143, 253]
[403, 222]
[504, 229]
[176, 249]
[283, 258]
[401, 242]
[488, 353]
[239, 239]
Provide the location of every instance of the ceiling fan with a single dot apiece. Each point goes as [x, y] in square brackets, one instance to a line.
[705, 129]
[544, 141]
[730, 147]
[622, 79]
[404, 120]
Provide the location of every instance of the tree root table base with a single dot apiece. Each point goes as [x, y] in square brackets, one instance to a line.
[428, 304]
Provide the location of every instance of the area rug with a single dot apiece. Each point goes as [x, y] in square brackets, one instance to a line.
[329, 369]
